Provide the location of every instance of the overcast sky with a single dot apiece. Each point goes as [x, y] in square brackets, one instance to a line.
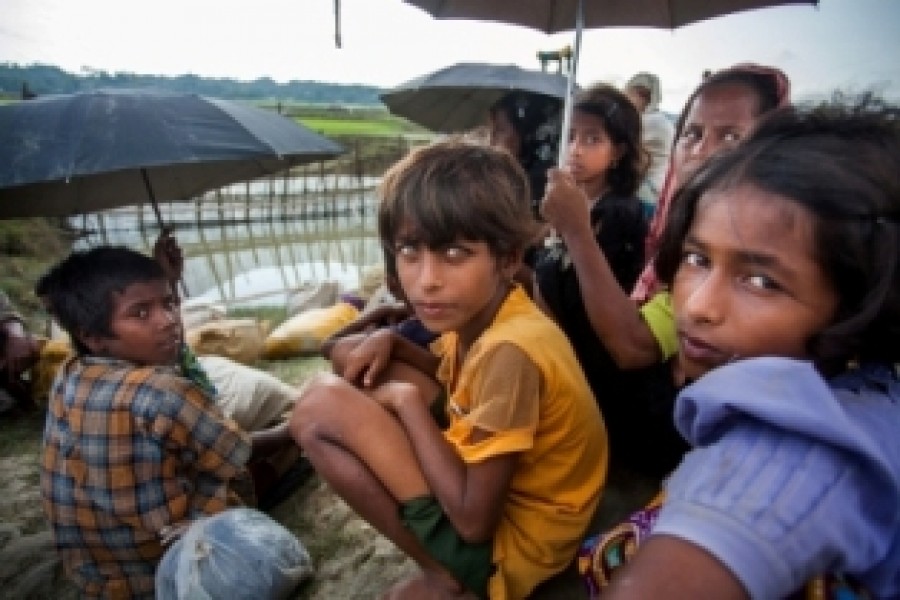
[850, 44]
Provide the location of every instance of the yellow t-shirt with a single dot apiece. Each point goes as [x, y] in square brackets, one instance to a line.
[660, 318]
[521, 380]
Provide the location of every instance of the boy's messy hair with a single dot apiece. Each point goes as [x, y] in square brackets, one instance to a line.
[79, 290]
[622, 123]
[454, 190]
[841, 162]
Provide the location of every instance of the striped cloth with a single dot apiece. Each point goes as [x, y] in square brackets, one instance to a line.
[128, 452]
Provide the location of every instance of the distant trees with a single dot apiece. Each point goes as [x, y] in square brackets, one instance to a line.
[47, 79]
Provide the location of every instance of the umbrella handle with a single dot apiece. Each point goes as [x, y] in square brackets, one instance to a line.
[570, 86]
[553, 237]
[159, 221]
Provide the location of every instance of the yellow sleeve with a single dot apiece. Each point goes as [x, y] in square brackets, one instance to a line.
[506, 395]
[660, 318]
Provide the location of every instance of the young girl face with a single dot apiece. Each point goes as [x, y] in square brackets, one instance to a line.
[591, 151]
[718, 119]
[748, 284]
[458, 288]
[145, 324]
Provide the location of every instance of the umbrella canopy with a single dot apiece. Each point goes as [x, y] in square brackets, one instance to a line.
[458, 97]
[75, 153]
[554, 16]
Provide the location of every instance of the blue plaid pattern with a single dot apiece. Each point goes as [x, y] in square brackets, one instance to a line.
[127, 452]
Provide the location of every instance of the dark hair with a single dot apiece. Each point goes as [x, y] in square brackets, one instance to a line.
[537, 121]
[535, 118]
[455, 190]
[763, 83]
[622, 123]
[841, 162]
[79, 290]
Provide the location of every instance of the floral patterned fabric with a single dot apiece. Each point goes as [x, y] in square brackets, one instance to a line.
[601, 555]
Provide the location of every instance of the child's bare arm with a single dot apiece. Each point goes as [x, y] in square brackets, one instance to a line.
[669, 567]
[371, 357]
[337, 349]
[389, 314]
[613, 314]
[169, 255]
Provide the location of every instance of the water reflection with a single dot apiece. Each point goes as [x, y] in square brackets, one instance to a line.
[249, 253]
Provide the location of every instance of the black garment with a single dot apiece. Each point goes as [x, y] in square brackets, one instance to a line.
[537, 183]
[636, 405]
[619, 228]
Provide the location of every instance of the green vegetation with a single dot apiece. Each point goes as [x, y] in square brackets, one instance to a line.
[20, 435]
[47, 79]
[28, 247]
[328, 127]
[361, 121]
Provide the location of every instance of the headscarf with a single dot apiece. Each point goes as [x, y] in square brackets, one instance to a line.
[650, 82]
[648, 283]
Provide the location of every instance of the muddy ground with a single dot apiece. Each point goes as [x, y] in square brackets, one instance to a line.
[352, 560]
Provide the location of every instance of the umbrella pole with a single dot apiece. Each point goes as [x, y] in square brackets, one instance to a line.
[553, 238]
[159, 220]
[570, 86]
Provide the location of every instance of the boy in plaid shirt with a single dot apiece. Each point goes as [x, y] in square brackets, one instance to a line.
[134, 446]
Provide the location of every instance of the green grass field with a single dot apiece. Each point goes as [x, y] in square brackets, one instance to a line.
[355, 126]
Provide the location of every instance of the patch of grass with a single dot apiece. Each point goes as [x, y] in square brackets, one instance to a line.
[337, 126]
[28, 247]
[21, 433]
[294, 371]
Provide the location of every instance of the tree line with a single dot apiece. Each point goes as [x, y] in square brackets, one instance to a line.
[25, 80]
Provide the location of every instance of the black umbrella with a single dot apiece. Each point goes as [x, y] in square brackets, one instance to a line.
[551, 16]
[458, 97]
[76, 153]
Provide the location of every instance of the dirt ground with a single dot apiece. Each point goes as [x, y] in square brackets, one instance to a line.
[352, 560]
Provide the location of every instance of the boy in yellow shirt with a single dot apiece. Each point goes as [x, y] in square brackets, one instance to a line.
[495, 504]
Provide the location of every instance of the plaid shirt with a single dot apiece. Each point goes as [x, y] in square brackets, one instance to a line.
[127, 452]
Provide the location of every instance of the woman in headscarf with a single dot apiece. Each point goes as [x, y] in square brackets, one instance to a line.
[719, 114]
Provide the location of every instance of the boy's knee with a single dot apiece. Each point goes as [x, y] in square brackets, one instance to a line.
[315, 405]
[320, 388]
